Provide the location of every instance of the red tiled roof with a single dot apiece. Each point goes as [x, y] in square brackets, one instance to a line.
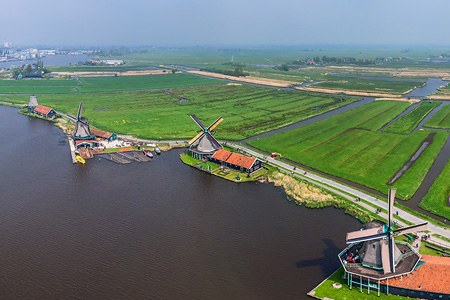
[221, 155]
[100, 133]
[433, 276]
[240, 160]
[42, 109]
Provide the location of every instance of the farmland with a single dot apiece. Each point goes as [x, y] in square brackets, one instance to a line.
[347, 145]
[408, 122]
[101, 84]
[164, 114]
[441, 119]
[372, 85]
[437, 197]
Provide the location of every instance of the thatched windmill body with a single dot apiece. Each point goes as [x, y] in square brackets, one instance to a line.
[203, 145]
[373, 254]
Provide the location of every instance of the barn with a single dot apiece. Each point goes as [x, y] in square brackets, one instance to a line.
[236, 161]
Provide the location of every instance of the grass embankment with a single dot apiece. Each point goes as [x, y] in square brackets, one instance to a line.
[101, 84]
[349, 146]
[226, 173]
[369, 85]
[441, 119]
[326, 290]
[247, 110]
[312, 196]
[408, 122]
[438, 197]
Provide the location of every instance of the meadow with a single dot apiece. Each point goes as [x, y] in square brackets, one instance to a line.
[165, 114]
[349, 146]
[441, 119]
[436, 200]
[101, 84]
[409, 122]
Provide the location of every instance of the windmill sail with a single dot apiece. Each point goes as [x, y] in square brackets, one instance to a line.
[206, 142]
[82, 130]
[379, 249]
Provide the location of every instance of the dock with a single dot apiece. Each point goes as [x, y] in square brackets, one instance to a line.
[72, 149]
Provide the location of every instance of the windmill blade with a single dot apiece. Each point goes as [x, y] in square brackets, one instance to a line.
[215, 124]
[385, 257]
[80, 111]
[195, 138]
[391, 199]
[410, 229]
[214, 141]
[391, 253]
[364, 235]
[197, 120]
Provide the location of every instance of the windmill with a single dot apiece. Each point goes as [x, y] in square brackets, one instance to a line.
[82, 131]
[379, 250]
[207, 144]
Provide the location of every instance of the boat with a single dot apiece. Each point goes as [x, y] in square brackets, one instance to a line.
[80, 159]
[157, 151]
[148, 153]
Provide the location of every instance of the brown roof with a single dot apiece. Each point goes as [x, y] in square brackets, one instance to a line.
[241, 160]
[433, 276]
[100, 133]
[42, 109]
[221, 154]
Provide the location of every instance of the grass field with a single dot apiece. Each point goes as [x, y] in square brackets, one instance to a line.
[247, 110]
[372, 85]
[441, 119]
[436, 200]
[347, 145]
[408, 122]
[102, 84]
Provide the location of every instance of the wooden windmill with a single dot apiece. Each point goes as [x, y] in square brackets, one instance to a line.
[379, 249]
[204, 143]
[82, 131]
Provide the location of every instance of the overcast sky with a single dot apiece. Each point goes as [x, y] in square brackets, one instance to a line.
[225, 22]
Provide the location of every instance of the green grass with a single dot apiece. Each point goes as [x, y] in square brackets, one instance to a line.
[247, 110]
[436, 200]
[441, 119]
[347, 145]
[325, 289]
[408, 122]
[102, 84]
[369, 85]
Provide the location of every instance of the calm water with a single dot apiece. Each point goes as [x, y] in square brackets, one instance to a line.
[51, 60]
[157, 230]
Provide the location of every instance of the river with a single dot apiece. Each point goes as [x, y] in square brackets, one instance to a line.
[51, 60]
[156, 230]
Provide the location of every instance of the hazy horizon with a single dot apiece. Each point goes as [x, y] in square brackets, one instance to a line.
[232, 23]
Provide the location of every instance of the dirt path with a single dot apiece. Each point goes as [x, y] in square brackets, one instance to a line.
[248, 79]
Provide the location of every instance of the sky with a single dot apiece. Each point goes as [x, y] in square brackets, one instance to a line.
[225, 22]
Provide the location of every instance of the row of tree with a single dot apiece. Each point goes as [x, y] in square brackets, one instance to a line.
[36, 70]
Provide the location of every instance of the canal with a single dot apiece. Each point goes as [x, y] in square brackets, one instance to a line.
[156, 230]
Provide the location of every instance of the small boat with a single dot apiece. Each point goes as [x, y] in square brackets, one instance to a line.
[148, 153]
[157, 151]
[80, 159]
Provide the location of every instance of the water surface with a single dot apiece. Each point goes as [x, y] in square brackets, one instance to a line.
[157, 230]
